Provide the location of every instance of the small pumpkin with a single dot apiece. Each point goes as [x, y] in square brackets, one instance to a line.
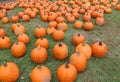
[88, 26]
[78, 38]
[85, 49]
[99, 49]
[50, 30]
[40, 32]
[40, 74]
[15, 19]
[53, 24]
[43, 42]
[9, 72]
[18, 49]
[26, 18]
[78, 24]
[39, 55]
[23, 38]
[20, 14]
[87, 17]
[100, 21]
[5, 20]
[117, 7]
[60, 19]
[60, 51]
[58, 35]
[79, 61]
[62, 26]
[2, 31]
[5, 42]
[19, 27]
[66, 73]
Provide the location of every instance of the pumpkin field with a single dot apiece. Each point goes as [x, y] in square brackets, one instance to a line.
[59, 41]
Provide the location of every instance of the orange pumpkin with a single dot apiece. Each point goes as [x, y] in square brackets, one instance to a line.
[20, 14]
[2, 31]
[58, 35]
[117, 7]
[86, 17]
[88, 26]
[40, 32]
[79, 61]
[26, 18]
[85, 49]
[39, 54]
[62, 26]
[50, 30]
[18, 28]
[23, 38]
[100, 21]
[60, 51]
[15, 19]
[40, 74]
[43, 42]
[5, 42]
[53, 24]
[99, 49]
[78, 38]
[5, 20]
[60, 19]
[9, 72]
[66, 73]
[18, 49]
[78, 24]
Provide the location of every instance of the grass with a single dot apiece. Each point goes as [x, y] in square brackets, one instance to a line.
[98, 70]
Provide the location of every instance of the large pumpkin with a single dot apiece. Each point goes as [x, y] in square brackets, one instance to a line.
[9, 72]
[99, 49]
[66, 73]
[40, 74]
[39, 54]
[85, 49]
[88, 26]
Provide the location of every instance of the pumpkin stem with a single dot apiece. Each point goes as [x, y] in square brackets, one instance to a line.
[100, 43]
[41, 38]
[78, 34]
[66, 65]
[4, 64]
[3, 37]
[39, 67]
[60, 44]
[39, 25]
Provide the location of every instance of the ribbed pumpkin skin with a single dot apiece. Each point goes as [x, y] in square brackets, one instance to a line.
[5, 42]
[40, 74]
[39, 55]
[18, 49]
[60, 51]
[9, 72]
[99, 49]
[79, 61]
[66, 74]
